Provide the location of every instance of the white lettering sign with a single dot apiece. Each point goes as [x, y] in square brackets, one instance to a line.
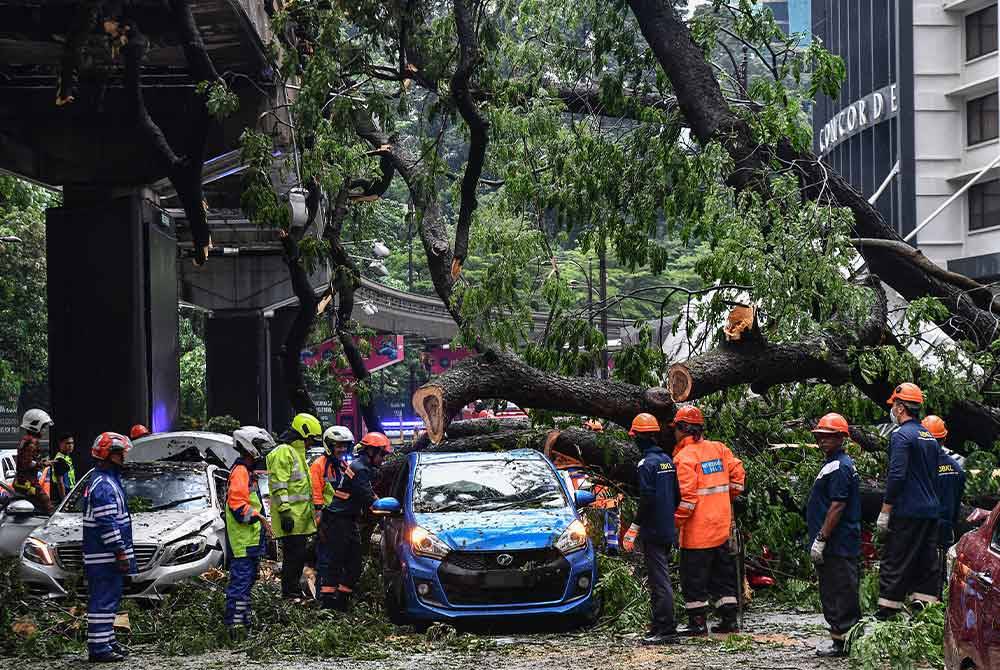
[859, 115]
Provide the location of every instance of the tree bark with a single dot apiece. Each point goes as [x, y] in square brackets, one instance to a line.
[504, 375]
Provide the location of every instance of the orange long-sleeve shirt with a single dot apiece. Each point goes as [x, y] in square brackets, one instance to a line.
[238, 495]
[709, 477]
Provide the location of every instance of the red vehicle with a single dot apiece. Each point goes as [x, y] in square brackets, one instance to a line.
[972, 624]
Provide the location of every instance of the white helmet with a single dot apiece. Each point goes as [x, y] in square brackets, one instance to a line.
[35, 420]
[252, 441]
[335, 435]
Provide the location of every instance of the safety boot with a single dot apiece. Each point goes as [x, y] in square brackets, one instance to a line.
[659, 637]
[728, 622]
[344, 602]
[832, 649]
[697, 625]
[110, 657]
[330, 601]
[119, 648]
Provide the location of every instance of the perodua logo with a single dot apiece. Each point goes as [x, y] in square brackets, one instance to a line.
[503, 560]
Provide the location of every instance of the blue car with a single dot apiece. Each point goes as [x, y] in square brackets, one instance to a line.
[485, 535]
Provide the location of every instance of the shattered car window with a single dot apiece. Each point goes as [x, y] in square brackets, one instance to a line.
[486, 485]
[154, 489]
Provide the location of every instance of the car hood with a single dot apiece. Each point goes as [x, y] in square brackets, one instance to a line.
[494, 531]
[147, 527]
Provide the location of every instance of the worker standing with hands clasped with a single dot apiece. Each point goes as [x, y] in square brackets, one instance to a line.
[291, 499]
[709, 477]
[107, 546]
[246, 526]
[833, 518]
[910, 510]
[950, 489]
[341, 517]
[327, 477]
[654, 526]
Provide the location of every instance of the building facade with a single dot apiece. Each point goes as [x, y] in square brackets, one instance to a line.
[918, 114]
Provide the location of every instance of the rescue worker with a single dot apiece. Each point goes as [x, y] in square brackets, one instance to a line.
[341, 517]
[107, 546]
[291, 498]
[327, 474]
[950, 489]
[833, 519]
[654, 526]
[59, 477]
[137, 431]
[27, 482]
[910, 509]
[246, 526]
[709, 477]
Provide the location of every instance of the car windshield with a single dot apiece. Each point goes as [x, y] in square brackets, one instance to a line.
[150, 490]
[509, 484]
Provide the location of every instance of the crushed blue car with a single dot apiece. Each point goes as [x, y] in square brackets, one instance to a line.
[491, 535]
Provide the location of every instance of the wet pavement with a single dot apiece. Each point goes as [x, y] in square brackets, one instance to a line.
[772, 640]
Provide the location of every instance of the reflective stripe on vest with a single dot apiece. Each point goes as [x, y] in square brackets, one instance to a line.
[242, 536]
[713, 490]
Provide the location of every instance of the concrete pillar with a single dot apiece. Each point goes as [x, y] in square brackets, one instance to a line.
[278, 326]
[112, 302]
[237, 361]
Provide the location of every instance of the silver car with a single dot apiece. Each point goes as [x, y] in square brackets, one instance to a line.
[178, 530]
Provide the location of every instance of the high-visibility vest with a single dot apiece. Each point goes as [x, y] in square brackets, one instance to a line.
[243, 535]
[291, 488]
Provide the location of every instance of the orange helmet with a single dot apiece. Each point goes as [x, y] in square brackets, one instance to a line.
[378, 441]
[688, 414]
[907, 392]
[137, 431]
[594, 425]
[109, 443]
[935, 426]
[644, 423]
[832, 423]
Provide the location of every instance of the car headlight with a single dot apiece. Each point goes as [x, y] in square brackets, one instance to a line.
[574, 538]
[186, 550]
[37, 551]
[425, 543]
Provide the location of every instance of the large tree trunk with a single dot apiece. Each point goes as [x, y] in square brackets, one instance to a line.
[503, 375]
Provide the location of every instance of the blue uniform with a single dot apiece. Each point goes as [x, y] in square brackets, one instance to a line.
[950, 488]
[913, 465]
[837, 481]
[107, 533]
[658, 497]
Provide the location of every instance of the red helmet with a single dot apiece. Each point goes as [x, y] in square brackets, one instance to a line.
[137, 431]
[644, 423]
[377, 441]
[907, 392]
[832, 423]
[935, 426]
[688, 414]
[109, 443]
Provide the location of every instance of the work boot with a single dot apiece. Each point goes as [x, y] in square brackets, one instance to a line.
[119, 648]
[696, 626]
[236, 633]
[330, 601]
[659, 637]
[832, 649]
[886, 613]
[728, 623]
[344, 602]
[109, 657]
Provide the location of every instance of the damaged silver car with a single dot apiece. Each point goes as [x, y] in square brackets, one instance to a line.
[176, 499]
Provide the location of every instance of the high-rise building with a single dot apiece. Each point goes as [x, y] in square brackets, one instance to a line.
[794, 16]
[917, 120]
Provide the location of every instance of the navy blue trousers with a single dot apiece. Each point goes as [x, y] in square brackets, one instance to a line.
[242, 575]
[104, 595]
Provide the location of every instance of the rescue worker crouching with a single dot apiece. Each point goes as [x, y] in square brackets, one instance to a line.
[246, 526]
[291, 499]
[833, 519]
[29, 462]
[709, 477]
[950, 484]
[910, 510]
[341, 520]
[654, 526]
[107, 546]
[327, 474]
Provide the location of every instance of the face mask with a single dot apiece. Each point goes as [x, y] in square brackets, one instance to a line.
[893, 418]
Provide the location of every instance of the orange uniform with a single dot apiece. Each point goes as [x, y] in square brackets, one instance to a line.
[709, 477]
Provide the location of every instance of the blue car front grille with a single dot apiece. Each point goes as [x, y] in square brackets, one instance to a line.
[504, 577]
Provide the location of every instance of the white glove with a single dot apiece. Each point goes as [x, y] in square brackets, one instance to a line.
[883, 522]
[816, 551]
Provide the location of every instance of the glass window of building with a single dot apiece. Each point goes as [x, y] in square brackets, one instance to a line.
[981, 33]
[984, 205]
[984, 119]
[780, 10]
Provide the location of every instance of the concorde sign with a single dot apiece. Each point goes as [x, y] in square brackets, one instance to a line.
[874, 108]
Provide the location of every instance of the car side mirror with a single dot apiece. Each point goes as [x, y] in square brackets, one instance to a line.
[21, 508]
[584, 499]
[386, 506]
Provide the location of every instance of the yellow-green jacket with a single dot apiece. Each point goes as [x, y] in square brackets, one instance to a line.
[290, 488]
